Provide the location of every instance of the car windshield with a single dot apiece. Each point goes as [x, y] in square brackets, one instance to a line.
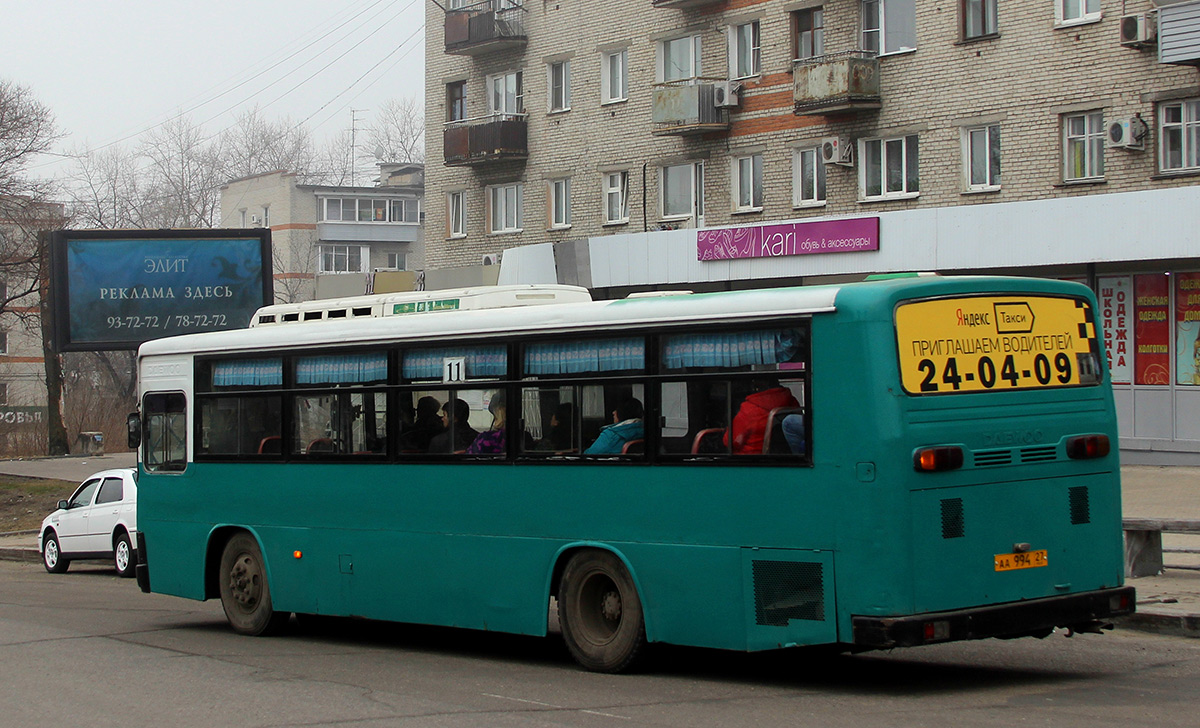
[84, 496]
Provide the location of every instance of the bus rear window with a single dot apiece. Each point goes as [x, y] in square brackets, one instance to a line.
[988, 343]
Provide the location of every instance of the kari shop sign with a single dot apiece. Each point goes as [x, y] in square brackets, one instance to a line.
[799, 238]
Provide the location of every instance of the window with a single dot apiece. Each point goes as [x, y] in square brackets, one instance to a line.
[982, 156]
[3, 393]
[505, 201]
[3, 342]
[809, 41]
[747, 184]
[680, 58]
[683, 190]
[978, 18]
[505, 95]
[1071, 11]
[242, 217]
[164, 423]
[266, 216]
[405, 210]
[344, 258]
[396, 261]
[560, 86]
[616, 198]
[456, 214]
[889, 168]
[614, 81]
[889, 26]
[739, 393]
[808, 178]
[745, 50]
[1083, 146]
[456, 101]
[560, 203]
[1179, 130]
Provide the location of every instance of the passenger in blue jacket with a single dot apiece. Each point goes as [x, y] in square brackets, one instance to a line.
[627, 425]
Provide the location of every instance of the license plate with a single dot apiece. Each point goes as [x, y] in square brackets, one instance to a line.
[1027, 560]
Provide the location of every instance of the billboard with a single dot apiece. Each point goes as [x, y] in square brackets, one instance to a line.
[114, 289]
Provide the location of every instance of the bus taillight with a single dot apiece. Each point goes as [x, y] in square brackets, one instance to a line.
[1086, 447]
[931, 459]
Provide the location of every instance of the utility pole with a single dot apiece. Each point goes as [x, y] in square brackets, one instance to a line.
[354, 143]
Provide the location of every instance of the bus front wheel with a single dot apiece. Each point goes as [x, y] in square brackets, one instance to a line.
[245, 594]
[600, 612]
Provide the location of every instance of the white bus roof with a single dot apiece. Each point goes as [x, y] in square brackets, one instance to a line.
[489, 323]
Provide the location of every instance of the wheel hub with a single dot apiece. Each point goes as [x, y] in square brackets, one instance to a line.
[245, 582]
[610, 606]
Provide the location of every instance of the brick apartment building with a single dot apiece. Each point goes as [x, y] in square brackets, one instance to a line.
[658, 143]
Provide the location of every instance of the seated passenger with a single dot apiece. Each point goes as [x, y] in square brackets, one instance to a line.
[426, 426]
[559, 437]
[793, 432]
[492, 440]
[454, 417]
[627, 425]
[750, 422]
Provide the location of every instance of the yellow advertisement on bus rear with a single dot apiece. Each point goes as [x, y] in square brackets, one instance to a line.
[989, 343]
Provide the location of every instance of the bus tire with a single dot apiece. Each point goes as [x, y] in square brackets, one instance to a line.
[245, 593]
[600, 612]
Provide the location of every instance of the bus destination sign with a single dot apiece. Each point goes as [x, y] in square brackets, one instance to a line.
[986, 343]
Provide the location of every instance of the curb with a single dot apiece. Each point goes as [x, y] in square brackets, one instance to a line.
[20, 554]
[1175, 625]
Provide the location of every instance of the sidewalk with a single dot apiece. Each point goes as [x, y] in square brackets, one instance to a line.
[1168, 603]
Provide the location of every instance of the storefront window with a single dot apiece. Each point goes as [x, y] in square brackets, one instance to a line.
[1152, 336]
[1116, 309]
[1187, 328]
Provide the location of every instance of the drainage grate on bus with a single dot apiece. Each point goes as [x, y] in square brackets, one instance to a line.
[1081, 509]
[785, 590]
[952, 518]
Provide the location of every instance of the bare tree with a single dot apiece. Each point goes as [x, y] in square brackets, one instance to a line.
[184, 173]
[106, 189]
[255, 145]
[334, 162]
[398, 133]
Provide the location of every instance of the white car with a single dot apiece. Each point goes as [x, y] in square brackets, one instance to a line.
[98, 522]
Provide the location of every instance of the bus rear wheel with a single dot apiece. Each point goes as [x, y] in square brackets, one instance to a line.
[600, 612]
[245, 593]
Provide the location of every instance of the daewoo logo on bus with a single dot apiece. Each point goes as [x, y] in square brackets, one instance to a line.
[1013, 437]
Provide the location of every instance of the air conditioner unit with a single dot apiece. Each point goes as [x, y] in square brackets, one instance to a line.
[727, 94]
[1127, 133]
[1139, 30]
[491, 259]
[837, 150]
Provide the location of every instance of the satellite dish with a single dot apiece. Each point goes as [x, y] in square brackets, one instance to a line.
[379, 152]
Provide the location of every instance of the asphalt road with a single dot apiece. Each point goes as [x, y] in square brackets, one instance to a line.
[87, 648]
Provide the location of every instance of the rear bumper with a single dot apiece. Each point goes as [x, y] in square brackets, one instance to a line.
[1081, 612]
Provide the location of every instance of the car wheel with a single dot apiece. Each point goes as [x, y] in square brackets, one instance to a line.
[123, 556]
[245, 593]
[600, 612]
[52, 557]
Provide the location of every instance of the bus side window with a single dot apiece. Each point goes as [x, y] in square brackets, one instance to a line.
[165, 417]
[695, 417]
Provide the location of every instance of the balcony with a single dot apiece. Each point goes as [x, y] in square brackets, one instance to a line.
[840, 83]
[494, 138]
[683, 108]
[485, 27]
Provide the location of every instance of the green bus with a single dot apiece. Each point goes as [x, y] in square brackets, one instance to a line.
[888, 463]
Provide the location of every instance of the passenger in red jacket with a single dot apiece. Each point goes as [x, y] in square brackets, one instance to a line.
[750, 422]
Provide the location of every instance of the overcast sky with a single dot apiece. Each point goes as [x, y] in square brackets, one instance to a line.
[110, 69]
